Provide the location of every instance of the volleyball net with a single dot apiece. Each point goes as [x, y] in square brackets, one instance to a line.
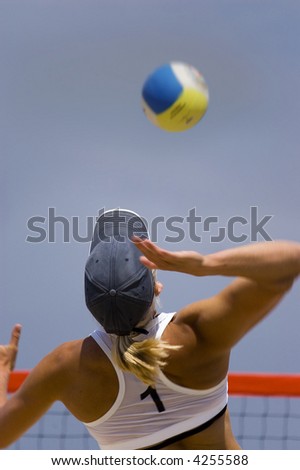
[264, 409]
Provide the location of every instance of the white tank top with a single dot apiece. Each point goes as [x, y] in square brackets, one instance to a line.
[139, 419]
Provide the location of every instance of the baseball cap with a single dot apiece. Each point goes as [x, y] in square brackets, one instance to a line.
[119, 290]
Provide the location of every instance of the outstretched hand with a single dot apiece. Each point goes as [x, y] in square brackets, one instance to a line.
[8, 353]
[189, 262]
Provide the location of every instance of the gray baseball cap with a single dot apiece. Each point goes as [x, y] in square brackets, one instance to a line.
[119, 290]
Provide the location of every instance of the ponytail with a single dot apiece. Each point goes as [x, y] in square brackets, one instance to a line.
[142, 358]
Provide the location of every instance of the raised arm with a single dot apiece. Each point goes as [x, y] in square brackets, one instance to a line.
[266, 262]
[264, 273]
[33, 399]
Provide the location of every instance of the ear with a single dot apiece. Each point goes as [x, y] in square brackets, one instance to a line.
[158, 287]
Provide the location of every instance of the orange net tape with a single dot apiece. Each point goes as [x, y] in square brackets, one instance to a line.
[261, 384]
[257, 384]
[16, 379]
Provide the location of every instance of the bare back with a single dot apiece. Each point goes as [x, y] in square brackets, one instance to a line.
[207, 330]
[95, 388]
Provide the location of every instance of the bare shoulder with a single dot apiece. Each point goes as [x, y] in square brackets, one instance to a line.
[198, 363]
[193, 325]
[77, 356]
[66, 374]
[63, 362]
[88, 381]
[190, 317]
[63, 356]
[223, 319]
[51, 372]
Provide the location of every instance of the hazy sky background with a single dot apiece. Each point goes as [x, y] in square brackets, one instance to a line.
[73, 137]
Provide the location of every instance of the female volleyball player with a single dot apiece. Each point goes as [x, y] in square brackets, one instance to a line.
[146, 379]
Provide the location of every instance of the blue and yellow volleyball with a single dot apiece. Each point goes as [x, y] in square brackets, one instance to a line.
[175, 97]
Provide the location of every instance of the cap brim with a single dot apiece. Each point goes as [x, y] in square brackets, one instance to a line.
[119, 224]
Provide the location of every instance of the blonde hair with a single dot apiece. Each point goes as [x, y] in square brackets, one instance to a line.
[142, 358]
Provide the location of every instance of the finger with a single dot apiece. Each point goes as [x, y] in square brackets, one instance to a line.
[142, 242]
[13, 345]
[146, 247]
[15, 336]
[146, 262]
[157, 258]
[136, 239]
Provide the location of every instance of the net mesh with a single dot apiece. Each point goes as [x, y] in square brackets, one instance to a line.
[264, 409]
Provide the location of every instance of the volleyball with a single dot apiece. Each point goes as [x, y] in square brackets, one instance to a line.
[175, 97]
